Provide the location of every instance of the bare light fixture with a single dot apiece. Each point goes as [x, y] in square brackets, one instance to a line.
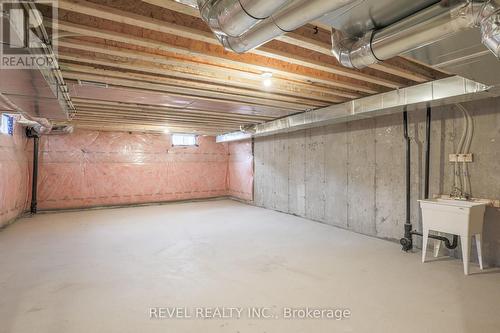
[266, 76]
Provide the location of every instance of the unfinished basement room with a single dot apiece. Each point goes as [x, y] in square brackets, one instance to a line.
[250, 166]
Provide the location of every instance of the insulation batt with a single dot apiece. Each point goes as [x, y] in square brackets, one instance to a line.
[15, 154]
[92, 168]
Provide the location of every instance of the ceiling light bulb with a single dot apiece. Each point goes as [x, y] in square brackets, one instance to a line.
[266, 75]
[267, 83]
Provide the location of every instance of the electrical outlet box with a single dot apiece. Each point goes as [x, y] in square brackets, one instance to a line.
[468, 158]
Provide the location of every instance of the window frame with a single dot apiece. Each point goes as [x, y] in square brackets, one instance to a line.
[195, 136]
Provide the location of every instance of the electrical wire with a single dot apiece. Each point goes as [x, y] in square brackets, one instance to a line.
[457, 190]
[468, 142]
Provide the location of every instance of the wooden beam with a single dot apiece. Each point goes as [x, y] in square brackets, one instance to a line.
[139, 121]
[163, 26]
[160, 111]
[176, 54]
[124, 17]
[90, 125]
[413, 66]
[320, 46]
[222, 97]
[98, 104]
[333, 67]
[195, 94]
[151, 115]
[213, 74]
[321, 25]
[175, 6]
[119, 114]
[217, 55]
[187, 10]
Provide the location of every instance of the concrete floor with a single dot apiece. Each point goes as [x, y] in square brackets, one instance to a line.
[102, 271]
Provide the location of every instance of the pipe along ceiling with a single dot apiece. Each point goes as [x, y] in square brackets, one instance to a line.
[244, 25]
[289, 17]
[427, 26]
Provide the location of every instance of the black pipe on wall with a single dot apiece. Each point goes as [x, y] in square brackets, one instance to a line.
[427, 151]
[408, 245]
[407, 240]
[31, 133]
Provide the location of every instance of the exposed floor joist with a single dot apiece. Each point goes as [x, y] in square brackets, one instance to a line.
[213, 74]
[217, 55]
[168, 118]
[404, 67]
[283, 53]
[164, 48]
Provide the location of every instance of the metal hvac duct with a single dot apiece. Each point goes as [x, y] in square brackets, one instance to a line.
[490, 26]
[423, 28]
[292, 16]
[235, 17]
[450, 90]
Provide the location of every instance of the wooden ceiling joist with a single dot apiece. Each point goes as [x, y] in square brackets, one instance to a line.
[169, 123]
[107, 105]
[117, 113]
[175, 6]
[196, 94]
[147, 86]
[162, 48]
[149, 117]
[92, 125]
[218, 55]
[213, 74]
[309, 41]
[123, 17]
[181, 114]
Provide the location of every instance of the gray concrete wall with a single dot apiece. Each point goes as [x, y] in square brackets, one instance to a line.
[352, 175]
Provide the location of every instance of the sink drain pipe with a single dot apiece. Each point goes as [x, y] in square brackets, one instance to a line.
[407, 240]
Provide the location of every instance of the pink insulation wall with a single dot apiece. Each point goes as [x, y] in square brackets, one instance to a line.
[92, 168]
[240, 170]
[14, 175]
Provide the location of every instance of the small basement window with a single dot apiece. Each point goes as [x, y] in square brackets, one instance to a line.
[184, 140]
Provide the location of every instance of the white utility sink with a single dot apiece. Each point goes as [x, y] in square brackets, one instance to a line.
[457, 217]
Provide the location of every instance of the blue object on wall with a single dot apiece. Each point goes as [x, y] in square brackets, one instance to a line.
[7, 124]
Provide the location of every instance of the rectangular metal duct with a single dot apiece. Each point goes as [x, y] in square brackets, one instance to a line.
[233, 136]
[450, 90]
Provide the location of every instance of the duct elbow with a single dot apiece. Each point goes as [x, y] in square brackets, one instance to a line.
[343, 56]
[233, 18]
[252, 39]
[362, 54]
[353, 53]
[341, 48]
[493, 44]
[490, 28]
[232, 44]
[226, 17]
